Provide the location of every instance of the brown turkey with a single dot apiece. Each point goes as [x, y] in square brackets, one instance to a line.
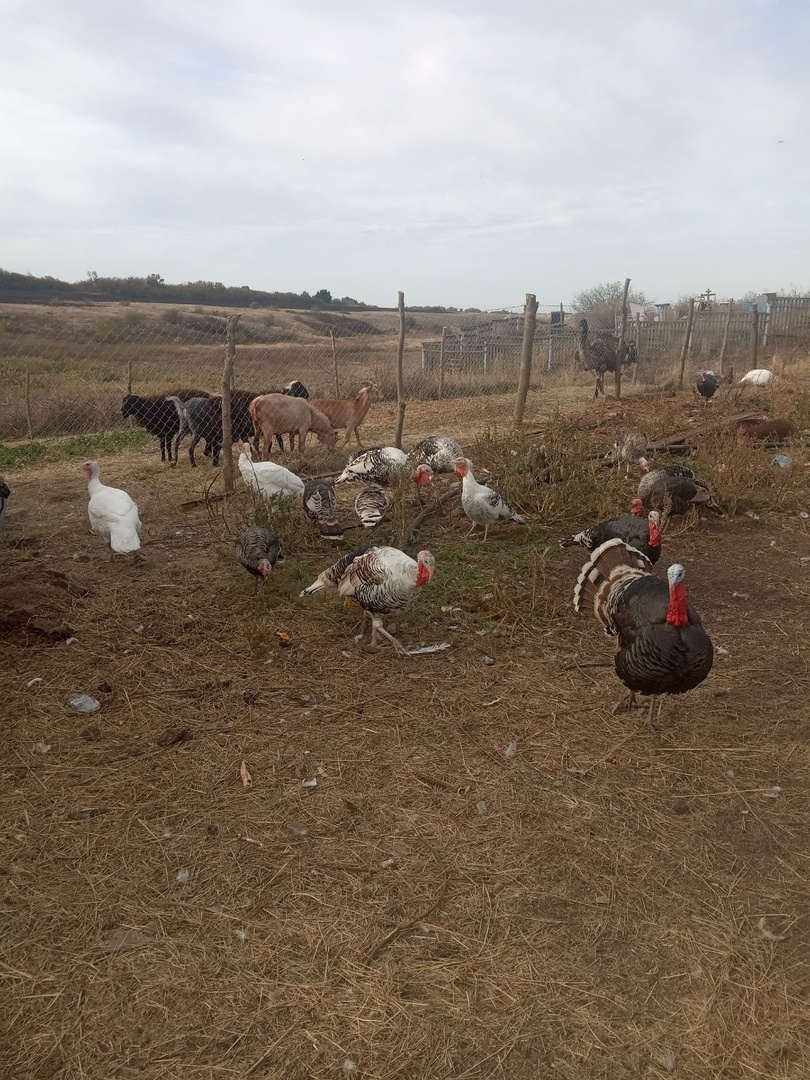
[662, 646]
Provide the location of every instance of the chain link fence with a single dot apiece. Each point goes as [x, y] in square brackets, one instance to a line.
[66, 368]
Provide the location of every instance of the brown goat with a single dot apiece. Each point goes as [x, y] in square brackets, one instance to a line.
[348, 414]
[277, 414]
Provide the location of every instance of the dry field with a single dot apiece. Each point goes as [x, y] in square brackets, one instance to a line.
[603, 904]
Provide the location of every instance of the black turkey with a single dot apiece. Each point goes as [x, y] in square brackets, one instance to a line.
[641, 533]
[662, 646]
[258, 550]
[707, 384]
[320, 506]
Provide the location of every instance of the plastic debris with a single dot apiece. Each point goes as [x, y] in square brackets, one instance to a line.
[83, 703]
[768, 934]
[71, 640]
[782, 460]
[772, 793]
[310, 783]
[511, 750]
[183, 876]
[33, 682]
[722, 652]
[481, 807]
[43, 747]
[386, 864]
[429, 649]
[241, 934]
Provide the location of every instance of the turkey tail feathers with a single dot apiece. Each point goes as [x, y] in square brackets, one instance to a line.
[608, 564]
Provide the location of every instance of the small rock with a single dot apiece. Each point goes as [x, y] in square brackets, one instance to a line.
[667, 1061]
[489, 660]
[182, 876]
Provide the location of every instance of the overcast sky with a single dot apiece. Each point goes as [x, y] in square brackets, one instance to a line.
[464, 151]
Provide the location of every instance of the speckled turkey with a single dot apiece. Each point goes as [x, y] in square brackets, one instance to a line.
[258, 550]
[676, 489]
[320, 506]
[375, 465]
[662, 646]
[370, 506]
[438, 451]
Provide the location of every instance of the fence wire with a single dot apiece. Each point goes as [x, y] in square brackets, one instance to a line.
[66, 368]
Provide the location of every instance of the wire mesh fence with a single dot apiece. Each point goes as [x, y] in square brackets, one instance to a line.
[66, 368]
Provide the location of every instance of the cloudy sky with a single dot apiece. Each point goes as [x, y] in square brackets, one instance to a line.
[465, 151]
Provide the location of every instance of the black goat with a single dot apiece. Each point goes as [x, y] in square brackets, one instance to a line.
[158, 415]
[204, 419]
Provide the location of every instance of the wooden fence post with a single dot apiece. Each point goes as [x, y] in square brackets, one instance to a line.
[227, 431]
[334, 364]
[686, 341]
[638, 348]
[724, 344]
[28, 404]
[441, 363]
[400, 378]
[617, 375]
[754, 335]
[529, 324]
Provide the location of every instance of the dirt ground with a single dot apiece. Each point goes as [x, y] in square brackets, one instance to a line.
[182, 900]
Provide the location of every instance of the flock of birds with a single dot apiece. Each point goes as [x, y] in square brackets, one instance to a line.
[662, 647]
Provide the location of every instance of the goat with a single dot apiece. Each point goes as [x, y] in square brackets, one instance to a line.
[351, 413]
[204, 419]
[159, 415]
[602, 356]
[275, 414]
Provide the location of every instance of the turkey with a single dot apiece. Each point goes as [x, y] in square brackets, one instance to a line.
[678, 495]
[423, 474]
[266, 478]
[375, 465]
[438, 452]
[662, 646]
[643, 534]
[5, 491]
[320, 506]
[258, 550]
[627, 448]
[757, 377]
[483, 505]
[370, 505]
[707, 384]
[380, 580]
[652, 476]
[113, 515]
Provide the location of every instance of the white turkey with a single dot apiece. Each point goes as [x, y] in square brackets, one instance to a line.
[662, 647]
[439, 452]
[370, 506]
[5, 491]
[113, 515]
[643, 534]
[757, 377]
[267, 479]
[380, 580]
[320, 506]
[375, 465]
[483, 505]
[258, 550]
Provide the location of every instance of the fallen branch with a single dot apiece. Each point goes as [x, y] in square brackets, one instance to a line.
[425, 514]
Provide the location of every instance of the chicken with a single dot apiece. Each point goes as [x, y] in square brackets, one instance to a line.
[370, 505]
[483, 505]
[320, 506]
[266, 478]
[258, 550]
[113, 515]
[380, 580]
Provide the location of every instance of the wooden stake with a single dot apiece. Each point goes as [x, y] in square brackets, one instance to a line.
[28, 404]
[400, 379]
[441, 363]
[638, 348]
[524, 379]
[687, 338]
[334, 364]
[754, 336]
[617, 375]
[129, 375]
[227, 430]
[724, 345]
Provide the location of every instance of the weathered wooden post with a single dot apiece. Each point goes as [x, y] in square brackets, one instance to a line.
[400, 378]
[227, 383]
[724, 344]
[335, 364]
[617, 375]
[687, 338]
[28, 404]
[754, 335]
[441, 362]
[529, 324]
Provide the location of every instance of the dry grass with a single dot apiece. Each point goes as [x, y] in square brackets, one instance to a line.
[601, 905]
